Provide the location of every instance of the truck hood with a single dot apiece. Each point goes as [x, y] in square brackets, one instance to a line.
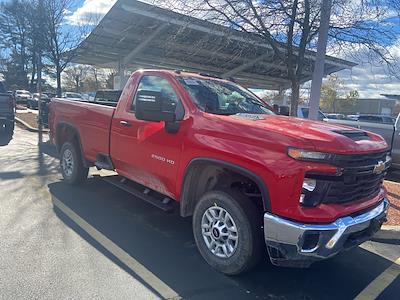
[316, 135]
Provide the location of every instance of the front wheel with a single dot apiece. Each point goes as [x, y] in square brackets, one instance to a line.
[72, 168]
[227, 230]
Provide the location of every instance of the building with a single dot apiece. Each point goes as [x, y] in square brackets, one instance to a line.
[390, 105]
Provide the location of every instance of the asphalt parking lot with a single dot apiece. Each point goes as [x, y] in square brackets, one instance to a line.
[95, 241]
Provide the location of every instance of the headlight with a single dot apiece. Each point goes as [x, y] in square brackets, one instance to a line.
[300, 154]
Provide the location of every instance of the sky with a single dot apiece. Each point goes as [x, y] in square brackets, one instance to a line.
[369, 80]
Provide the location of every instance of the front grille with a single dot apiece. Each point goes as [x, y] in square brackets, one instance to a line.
[358, 179]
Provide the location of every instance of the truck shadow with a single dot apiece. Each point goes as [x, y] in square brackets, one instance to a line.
[49, 149]
[164, 244]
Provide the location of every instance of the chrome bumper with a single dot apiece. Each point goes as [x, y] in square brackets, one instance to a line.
[294, 241]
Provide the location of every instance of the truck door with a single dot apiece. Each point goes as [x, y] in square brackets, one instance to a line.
[396, 144]
[144, 151]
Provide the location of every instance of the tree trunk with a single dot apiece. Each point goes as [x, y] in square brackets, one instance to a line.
[294, 103]
[58, 82]
[77, 84]
[33, 77]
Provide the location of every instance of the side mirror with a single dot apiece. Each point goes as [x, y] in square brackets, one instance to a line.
[154, 107]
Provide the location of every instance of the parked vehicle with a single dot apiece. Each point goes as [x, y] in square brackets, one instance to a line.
[382, 119]
[34, 101]
[352, 117]
[22, 96]
[44, 112]
[307, 190]
[302, 112]
[50, 94]
[73, 96]
[7, 111]
[381, 125]
[335, 116]
[107, 97]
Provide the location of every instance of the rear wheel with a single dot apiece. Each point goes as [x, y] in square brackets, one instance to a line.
[227, 230]
[72, 168]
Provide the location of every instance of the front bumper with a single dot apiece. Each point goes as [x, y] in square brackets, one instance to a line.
[297, 244]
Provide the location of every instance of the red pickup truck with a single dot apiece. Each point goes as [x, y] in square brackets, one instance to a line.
[305, 190]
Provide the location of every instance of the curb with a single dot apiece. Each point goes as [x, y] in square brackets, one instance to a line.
[388, 233]
[28, 127]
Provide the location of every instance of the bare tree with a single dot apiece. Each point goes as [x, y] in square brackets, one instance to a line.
[60, 42]
[291, 27]
[74, 76]
[84, 78]
[14, 35]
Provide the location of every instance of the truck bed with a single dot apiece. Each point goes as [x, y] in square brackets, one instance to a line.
[93, 122]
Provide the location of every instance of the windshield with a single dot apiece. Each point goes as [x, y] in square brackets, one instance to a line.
[223, 98]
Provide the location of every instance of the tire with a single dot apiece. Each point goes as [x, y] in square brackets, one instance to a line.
[72, 168]
[247, 251]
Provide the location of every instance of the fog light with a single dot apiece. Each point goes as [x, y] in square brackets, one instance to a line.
[302, 197]
[309, 184]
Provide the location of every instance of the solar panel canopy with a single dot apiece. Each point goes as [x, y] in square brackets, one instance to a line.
[136, 35]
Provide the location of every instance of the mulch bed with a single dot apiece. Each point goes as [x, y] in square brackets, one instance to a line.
[29, 118]
[393, 189]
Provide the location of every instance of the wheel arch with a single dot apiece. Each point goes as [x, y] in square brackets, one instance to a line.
[197, 180]
[66, 132]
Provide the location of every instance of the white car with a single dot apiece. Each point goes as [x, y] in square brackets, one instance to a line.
[22, 96]
[73, 96]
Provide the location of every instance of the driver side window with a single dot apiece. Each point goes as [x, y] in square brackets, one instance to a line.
[161, 85]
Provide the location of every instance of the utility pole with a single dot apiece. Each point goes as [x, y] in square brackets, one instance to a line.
[39, 90]
[39, 70]
[319, 65]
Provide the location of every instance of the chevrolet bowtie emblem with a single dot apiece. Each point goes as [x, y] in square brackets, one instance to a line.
[379, 168]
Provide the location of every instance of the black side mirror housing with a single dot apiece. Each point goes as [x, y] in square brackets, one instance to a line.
[152, 106]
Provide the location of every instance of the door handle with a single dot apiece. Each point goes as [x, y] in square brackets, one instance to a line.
[125, 123]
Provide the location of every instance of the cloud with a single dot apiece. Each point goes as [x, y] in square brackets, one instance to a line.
[371, 79]
[90, 12]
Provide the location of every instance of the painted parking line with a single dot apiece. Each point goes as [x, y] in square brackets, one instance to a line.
[380, 283]
[147, 276]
